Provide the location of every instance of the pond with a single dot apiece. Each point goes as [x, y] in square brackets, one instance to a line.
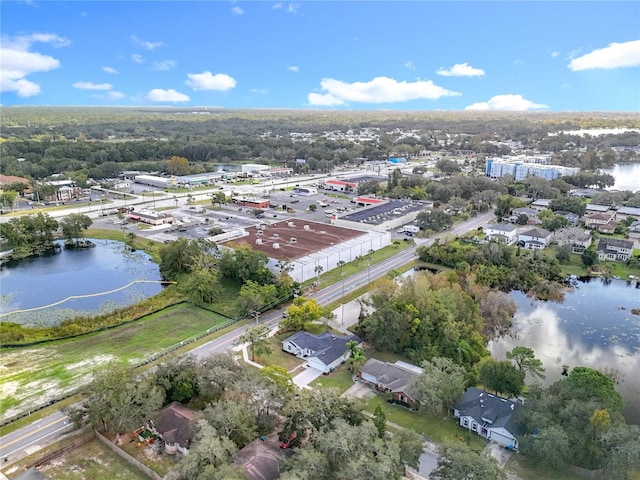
[627, 176]
[593, 327]
[105, 277]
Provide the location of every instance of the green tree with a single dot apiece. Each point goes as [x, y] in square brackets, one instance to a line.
[501, 377]
[525, 360]
[120, 401]
[219, 198]
[202, 285]
[356, 356]
[177, 257]
[178, 378]
[436, 220]
[177, 166]
[234, 420]
[459, 462]
[73, 225]
[313, 207]
[257, 338]
[380, 420]
[210, 451]
[280, 378]
[589, 257]
[300, 313]
[440, 385]
[8, 199]
[253, 298]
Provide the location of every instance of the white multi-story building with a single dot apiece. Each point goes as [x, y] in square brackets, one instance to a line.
[521, 167]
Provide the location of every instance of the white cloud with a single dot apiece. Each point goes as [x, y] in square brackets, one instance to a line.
[136, 57]
[164, 65]
[237, 10]
[378, 90]
[18, 62]
[410, 65]
[170, 95]
[146, 44]
[207, 81]
[110, 70]
[509, 102]
[616, 55]
[293, 8]
[461, 70]
[555, 54]
[92, 86]
[115, 95]
[293, 68]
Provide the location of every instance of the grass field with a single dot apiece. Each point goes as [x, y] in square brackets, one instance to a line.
[32, 376]
[92, 461]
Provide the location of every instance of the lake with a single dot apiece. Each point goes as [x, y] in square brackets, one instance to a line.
[45, 280]
[627, 176]
[592, 327]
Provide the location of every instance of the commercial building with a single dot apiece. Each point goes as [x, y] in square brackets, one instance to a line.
[254, 169]
[521, 167]
[382, 214]
[156, 181]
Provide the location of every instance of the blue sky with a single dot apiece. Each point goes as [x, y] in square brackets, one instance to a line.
[543, 56]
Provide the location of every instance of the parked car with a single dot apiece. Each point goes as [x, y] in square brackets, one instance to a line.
[288, 442]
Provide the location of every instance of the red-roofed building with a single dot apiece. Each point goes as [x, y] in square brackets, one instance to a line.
[339, 185]
[367, 201]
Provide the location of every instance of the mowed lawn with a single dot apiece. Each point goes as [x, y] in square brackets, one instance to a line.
[32, 376]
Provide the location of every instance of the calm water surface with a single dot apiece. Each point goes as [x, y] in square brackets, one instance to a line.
[592, 327]
[41, 281]
[627, 176]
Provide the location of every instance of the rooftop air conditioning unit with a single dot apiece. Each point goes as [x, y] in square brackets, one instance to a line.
[276, 245]
[293, 240]
[275, 235]
[306, 227]
[291, 224]
[259, 232]
[258, 241]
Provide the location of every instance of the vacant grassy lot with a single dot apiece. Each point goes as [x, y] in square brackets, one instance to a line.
[92, 461]
[32, 376]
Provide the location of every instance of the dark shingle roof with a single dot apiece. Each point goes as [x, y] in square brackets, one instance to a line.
[173, 422]
[327, 346]
[606, 243]
[478, 404]
[537, 232]
[261, 459]
[390, 375]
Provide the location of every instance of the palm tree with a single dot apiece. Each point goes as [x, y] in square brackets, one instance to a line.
[256, 337]
[318, 270]
[356, 356]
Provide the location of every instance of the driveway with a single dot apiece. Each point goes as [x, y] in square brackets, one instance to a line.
[359, 390]
[303, 379]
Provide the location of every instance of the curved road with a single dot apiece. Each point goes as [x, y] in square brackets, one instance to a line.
[42, 432]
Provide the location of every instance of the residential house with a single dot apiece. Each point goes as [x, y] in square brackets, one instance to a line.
[394, 378]
[261, 459]
[614, 249]
[174, 425]
[531, 213]
[540, 204]
[623, 212]
[603, 222]
[489, 416]
[570, 216]
[595, 208]
[504, 233]
[578, 239]
[323, 352]
[635, 227]
[534, 239]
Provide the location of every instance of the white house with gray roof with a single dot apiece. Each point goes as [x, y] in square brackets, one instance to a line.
[489, 416]
[323, 352]
[504, 233]
[614, 249]
[534, 239]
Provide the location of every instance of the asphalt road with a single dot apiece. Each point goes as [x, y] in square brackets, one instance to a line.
[42, 432]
